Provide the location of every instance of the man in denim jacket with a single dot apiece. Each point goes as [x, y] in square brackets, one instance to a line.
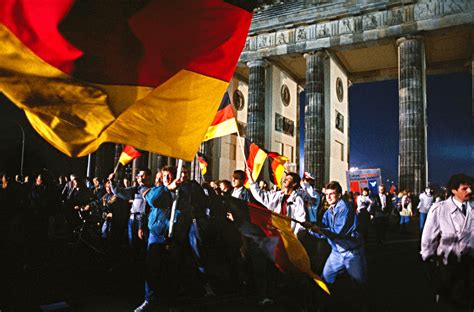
[340, 230]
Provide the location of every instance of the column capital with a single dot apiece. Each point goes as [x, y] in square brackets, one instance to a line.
[260, 62]
[409, 37]
[320, 53]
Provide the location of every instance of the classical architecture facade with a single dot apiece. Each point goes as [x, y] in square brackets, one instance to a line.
[290, 89]
[302, 56]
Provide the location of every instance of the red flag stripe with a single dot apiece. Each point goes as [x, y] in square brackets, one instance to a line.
[118, 43]
[224, 114]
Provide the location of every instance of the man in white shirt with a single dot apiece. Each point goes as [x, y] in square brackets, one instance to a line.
[287, 202]
[426, 200]
[447, 237]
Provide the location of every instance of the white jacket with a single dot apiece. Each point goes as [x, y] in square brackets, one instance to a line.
[273, 200]
[447, 231]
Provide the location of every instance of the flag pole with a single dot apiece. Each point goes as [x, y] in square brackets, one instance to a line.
[175, 202]
[116, 167]
[241, 146]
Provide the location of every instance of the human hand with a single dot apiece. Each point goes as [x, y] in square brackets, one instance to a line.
[111, 176]
[249, 175]
[140, 233]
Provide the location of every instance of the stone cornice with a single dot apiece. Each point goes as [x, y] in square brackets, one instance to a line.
[394, 22]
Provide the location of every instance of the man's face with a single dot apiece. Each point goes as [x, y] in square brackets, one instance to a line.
[288, 182]
[159, 178]
[463, 192]
[96, 182]
[167, 177]
[236, 182]
[107, 187]
[184, 174]
[381, 190]
[331, 196]
[142, 177]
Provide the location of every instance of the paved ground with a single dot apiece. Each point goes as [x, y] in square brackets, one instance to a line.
[78, 280]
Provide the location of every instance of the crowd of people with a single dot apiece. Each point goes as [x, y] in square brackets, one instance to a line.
[171, 223]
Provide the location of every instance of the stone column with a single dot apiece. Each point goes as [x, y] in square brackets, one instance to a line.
[256, 99]
[412, 122]
[314, 117]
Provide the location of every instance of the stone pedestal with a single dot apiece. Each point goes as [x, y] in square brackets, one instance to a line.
[314, 117]
[256, 106]
[412, 123]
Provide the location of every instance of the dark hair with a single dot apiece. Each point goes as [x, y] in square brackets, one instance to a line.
[365, 189]
[239, 175]
[334, 185]
[456, 180]
[227, 183]
[146, 170]
[296, 179]
[170, 169]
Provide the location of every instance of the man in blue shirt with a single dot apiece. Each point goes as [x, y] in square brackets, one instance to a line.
[340, 230]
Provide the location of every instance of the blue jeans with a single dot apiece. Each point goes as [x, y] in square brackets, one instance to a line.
[353, 262]
[150, 293]
[422, 220]
[106, 229]
[404, 219]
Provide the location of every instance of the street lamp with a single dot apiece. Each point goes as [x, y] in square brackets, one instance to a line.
[22, 148]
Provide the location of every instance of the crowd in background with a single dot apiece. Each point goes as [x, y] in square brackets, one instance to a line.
[108, 214]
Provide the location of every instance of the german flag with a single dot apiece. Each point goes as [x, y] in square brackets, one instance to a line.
[225, 122]
[276, 167]
[202, 163]
[148, 73]
[255, 159]
[128, 154]
[273, 234]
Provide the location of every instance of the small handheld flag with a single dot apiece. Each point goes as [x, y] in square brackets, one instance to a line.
[224, 122]
[128, 154]
[202, 163]
[255, 159]
[276, 167]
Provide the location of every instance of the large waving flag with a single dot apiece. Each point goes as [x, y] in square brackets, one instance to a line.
[276, 167]
[255, 159]
[273, 235]
[224, 122]
[146, 73]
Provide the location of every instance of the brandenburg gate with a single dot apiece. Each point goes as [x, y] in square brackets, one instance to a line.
[322, 48]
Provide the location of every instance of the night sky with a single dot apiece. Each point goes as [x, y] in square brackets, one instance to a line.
[374, 127]
[373, 132]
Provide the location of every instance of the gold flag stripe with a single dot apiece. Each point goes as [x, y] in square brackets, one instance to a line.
[77, 116]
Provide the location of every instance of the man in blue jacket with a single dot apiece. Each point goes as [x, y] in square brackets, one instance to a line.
[159, 259]
[340, 230]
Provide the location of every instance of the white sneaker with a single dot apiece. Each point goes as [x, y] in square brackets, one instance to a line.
[145, 306]
[266, 302]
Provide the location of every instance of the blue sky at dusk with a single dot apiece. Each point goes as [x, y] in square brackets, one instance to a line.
[374, 133]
